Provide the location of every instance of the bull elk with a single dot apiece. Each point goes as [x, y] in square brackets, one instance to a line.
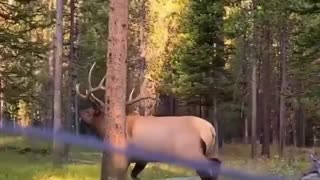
[187, 137]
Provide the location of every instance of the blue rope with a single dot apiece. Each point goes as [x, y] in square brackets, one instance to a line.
[133, 151]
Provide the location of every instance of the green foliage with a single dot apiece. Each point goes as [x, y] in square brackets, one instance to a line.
[303, 65]
[198, 62]
[93, 39]
[302, 19]
[23, 48]
[163, 35]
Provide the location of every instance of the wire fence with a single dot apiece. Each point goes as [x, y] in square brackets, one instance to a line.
[132, 151]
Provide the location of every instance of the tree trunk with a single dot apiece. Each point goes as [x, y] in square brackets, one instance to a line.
[259, 116]
[76, 116]
[76, 58]
[219, 55]
[300, 121]
[246, 80]
[50, 84]
[275, 108]
[283, 59]
[246, 128]
[274, 103]
[57, 115]
[172, 105]
[248, 97]
[266, 73]
[199, 109]
[142, 58]
[71, 79]
[254, 110]
[114, 166]
[1, 99]
[254, 87]
[216, 125]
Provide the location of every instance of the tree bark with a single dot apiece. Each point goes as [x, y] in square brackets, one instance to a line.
[274, 102]
[258, 36]
[266, 73]
[57, 115]
[71, 79]
[254, 88]
[1, 99]
[282, 112]
[172, 106]
[114, 166]
[216, 125]
[254, 110]
[246, 80]
[246, 124]
[142, 58]
[275, 105]
[50, 85]
[76, 58]
[300, 120]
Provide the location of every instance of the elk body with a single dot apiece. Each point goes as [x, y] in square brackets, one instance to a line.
[186, 137]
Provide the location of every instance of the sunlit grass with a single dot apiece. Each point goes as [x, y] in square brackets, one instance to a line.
[86, 162]
[15, 166]
[85, 166]
[294, 162]
[7, 140]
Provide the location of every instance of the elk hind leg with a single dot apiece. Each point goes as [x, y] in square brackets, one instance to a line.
[216, 166]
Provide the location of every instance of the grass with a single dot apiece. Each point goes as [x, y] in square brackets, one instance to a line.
[36, 166]
[33, 166]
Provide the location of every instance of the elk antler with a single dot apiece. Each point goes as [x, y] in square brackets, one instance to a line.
[138, 98]
[89, 93]
[131, 94]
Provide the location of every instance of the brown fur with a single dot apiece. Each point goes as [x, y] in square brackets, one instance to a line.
[130, 123]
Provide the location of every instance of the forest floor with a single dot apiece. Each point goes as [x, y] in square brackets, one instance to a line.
[18, 162]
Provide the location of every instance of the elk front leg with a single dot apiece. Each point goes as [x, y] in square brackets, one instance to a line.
[138, 167]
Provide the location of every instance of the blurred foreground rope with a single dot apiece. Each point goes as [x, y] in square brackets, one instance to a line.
[132, 151]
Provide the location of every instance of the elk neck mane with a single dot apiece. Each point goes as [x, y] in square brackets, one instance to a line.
[98, 122]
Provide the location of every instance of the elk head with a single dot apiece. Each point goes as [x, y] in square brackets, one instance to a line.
[96, 112]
